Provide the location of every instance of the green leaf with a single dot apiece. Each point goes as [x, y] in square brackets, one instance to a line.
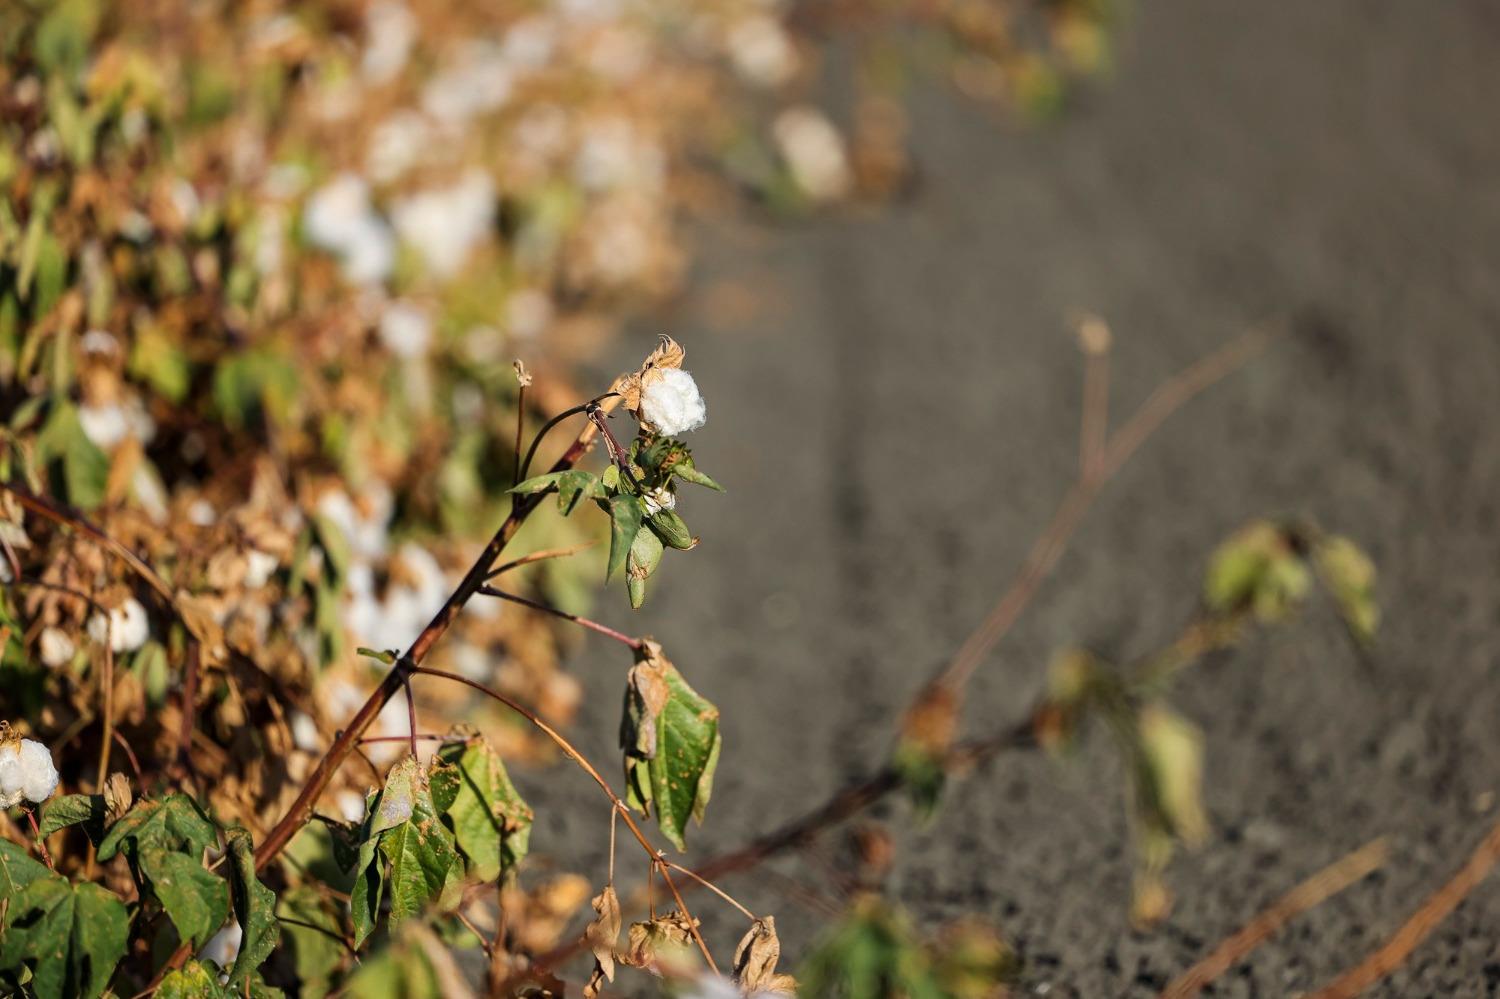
[388, 656]
[1349, 575]
[574, 485]
[403, 828]
[625, 515]
[489, 819]
[70, 936]
[254, 910]
[194, 980]
[672, 741]
[688, 472]
[197, 900]
[873, 951]
[417, 965]
[172, 823]
[17, 870]
[537, 484]
[421, 853]
[78, 467]
[86, 810]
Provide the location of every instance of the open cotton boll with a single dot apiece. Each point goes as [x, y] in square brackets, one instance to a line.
[224, 946]
[56, 647]
[38, 774]
[670, 402]
[445, 225]
[259, 566]
[126, 628]
[26, 772]
[814, 151]
[405, 329]
[12, 776]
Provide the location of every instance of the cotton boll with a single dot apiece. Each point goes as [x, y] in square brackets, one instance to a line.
[711, 987]
[761, 51]
[259, 566]
[405, 329]
[478, 78]
[397, 145]
[223, 947]
[12, 775]
[38, 774]
[445, 225]
[814, 151]
[528, 312]
[305, 733]
[671, 403]
[351, 805]
[56, 647]
[370, 255]
[530, 43]
[126, 629]
[99, 342]
[106, 426]
[335, 211]
[391, 29]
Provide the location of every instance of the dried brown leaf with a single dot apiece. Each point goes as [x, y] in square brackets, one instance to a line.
[755, 961]
[602, 934]
[117, 796]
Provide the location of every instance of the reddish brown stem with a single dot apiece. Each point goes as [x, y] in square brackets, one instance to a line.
[36, 833]
[302, 808]
[1328, 882]
[583, 622]
[1394, 952]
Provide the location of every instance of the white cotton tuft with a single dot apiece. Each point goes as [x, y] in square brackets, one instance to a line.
[814, 151]
[671, 402]
[12, 775]
[39, 775]
[126, 628]
[259, 567]
[26, 772]
[711, 987]
[56, 647]
[223, 947]
[405, 329]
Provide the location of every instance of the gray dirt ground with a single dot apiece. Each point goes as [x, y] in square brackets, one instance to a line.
[899, 417]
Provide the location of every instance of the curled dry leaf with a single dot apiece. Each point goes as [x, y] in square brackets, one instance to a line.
[755, 961]
[662, 946]
[602, 934]
[646, 693]
[117, 796]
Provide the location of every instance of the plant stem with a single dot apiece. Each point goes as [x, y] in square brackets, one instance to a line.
[546, 553]
[36, 832]
[603, 629]
[301, 809]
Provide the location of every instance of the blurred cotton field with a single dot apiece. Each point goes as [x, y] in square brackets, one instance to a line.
[264, 269]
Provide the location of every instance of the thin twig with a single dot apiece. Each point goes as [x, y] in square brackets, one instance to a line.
[1394, 952]
[484, 944]
[546, 553]
[595, 626]
[1331, 880]
[135, 764]
[711, 887]
[106, 742]
[1094, 338]
[1165, 400]
[348, 944]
